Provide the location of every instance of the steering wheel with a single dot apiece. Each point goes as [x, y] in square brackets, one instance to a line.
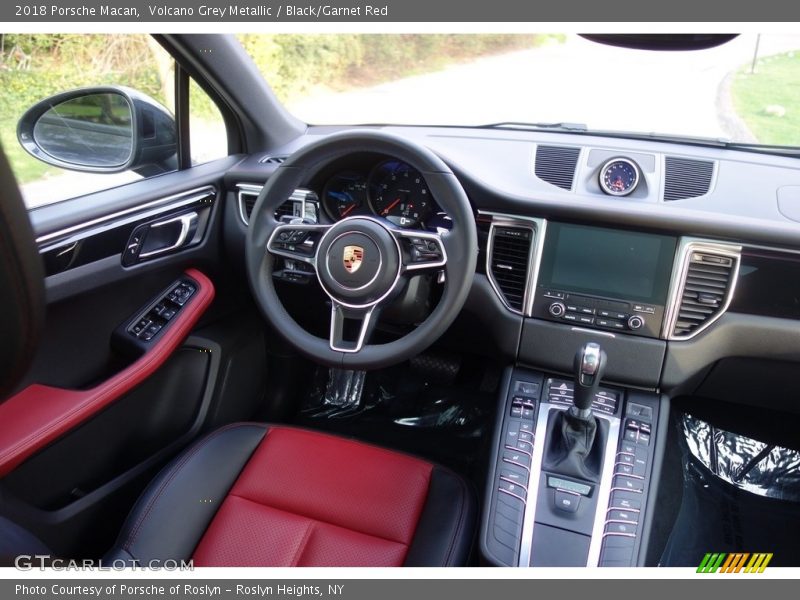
[362, 262]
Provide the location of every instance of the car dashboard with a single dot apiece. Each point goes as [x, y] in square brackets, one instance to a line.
[656, 246]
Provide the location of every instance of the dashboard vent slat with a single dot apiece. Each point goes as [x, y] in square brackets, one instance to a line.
[509, 259]
[272, 160]
[292, 207]
[556, 165]
[686, 178]
[707, 286]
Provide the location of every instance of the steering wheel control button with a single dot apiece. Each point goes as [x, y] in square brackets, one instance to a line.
[567, 501]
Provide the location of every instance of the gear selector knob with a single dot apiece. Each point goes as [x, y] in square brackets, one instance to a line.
[590, 362]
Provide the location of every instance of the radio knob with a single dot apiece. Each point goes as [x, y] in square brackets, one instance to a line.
[557, 309]
[635, 322]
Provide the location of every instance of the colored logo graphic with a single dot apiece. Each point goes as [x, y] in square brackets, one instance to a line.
[740, 562]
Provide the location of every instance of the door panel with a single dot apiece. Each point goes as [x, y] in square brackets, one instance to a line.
[98, 411]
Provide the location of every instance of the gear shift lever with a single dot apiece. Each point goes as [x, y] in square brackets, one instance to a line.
[571, 447]
[590, 362]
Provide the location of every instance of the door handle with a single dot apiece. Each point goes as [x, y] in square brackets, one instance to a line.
[188, 224]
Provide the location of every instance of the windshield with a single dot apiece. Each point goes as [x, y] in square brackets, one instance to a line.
[743, 91]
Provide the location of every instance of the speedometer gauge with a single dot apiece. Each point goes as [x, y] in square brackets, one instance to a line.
[619, 177]
[400, 194]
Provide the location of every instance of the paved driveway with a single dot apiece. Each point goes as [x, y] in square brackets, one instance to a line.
[577, 81]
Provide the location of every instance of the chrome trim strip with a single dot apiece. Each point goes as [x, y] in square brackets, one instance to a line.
[538, 227]
[535, 473]
[512, 494]
[686, 246]
[123, 217]
[594, 331]
[507, 480]
[300, 195]
[633, 510]
[362, 333]
[604, 491]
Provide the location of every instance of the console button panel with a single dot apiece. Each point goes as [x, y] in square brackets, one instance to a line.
[601, 313]
[561, 391]
[624, 516]
[611, 511]
[509, 493]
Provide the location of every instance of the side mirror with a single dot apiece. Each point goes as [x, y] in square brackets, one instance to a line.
[105, 129]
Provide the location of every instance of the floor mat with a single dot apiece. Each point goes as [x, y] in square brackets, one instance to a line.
[739, 495]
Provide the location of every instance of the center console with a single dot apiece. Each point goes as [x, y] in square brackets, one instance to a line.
[535, 515]
[577, 427]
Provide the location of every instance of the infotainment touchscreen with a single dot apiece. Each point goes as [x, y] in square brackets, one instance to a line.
[610, 263]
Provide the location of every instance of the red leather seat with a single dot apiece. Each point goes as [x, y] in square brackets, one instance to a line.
[257, 495]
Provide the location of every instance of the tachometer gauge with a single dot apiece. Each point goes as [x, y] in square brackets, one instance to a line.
[619, 177]
[400, 194]
[344, 194]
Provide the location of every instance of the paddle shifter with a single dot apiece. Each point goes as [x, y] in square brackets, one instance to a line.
[575, 437]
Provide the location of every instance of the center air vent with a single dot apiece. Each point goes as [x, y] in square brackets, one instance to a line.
[710, 276]
[556, 165]
[302, 204]
[686, 178]
[509, 259]
[272, 160]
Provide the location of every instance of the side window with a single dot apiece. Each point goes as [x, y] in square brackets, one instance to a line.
[207, 133]
[93, 141]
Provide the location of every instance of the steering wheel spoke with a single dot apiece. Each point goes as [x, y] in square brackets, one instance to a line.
[351, 327]
[420, 250]
[297, 241]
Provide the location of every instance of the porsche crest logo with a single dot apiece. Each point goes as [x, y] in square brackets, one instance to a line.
[353, 257]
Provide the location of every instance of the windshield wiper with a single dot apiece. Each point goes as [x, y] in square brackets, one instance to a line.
[562, 126]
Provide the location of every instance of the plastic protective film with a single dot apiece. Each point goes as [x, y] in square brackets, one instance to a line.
[759, 468]
[737, 495]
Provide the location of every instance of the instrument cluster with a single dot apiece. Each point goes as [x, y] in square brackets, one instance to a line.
[391, 189]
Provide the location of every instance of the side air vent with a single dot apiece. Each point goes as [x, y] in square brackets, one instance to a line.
[272, 160]
[302, 203]
[509, 259]
[708, 282]
[686, 178]
[556, 165]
